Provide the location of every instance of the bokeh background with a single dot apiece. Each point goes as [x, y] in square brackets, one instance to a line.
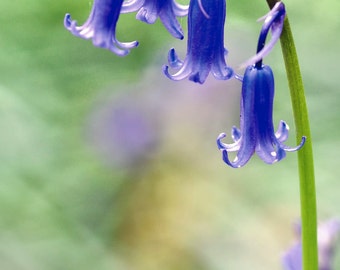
[107, 164]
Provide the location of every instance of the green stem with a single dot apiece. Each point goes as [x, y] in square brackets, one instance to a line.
[305, 154]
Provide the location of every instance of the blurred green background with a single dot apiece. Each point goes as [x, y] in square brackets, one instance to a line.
[106, 164]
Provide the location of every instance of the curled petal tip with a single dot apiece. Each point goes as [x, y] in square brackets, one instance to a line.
[128, 45]
[292, 149]
[180, 10]
[221, 136]
[71, 25]
[165, 70]
[131, 6]
[226, 158]
[182, 73]
[236, 163]
[303, 140]
[220, 145]
[67, 20]
[282, 132]
[229, 147]
[177, 76]
[173, 59]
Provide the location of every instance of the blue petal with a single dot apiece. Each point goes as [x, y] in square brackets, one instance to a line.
[180, 10]
[293, 149]
[131, 6]
[267, 147]
[245, 148]
[184, 72]
[206, 52]
[166, 10]
[282, 132]
[147, 15]
[173, 59]
[101, 27]
[167, 17]
[220, 70]
[270, 153]
[236, 134]
[229, 147]
[246, 136]
[243, 156]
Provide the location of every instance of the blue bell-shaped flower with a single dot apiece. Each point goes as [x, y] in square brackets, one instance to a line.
[101, 27]
[206, 52]
[256, 133]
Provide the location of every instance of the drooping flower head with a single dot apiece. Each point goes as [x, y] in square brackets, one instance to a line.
[256, 132]
[101, 27]
[273, 21]
[206, 52]
[166, 10]
[328, 233]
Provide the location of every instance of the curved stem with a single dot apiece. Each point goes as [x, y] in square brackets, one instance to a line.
[305, 154]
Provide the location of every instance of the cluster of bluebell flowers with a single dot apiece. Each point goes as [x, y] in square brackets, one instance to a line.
[206, 54]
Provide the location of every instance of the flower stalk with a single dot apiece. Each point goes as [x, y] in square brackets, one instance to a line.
[305, 155]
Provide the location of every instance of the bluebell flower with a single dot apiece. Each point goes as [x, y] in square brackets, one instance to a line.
[273, 21]
[327, 235]
[206, 52]
[101, 27]
[166, 10]
[256, 133]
